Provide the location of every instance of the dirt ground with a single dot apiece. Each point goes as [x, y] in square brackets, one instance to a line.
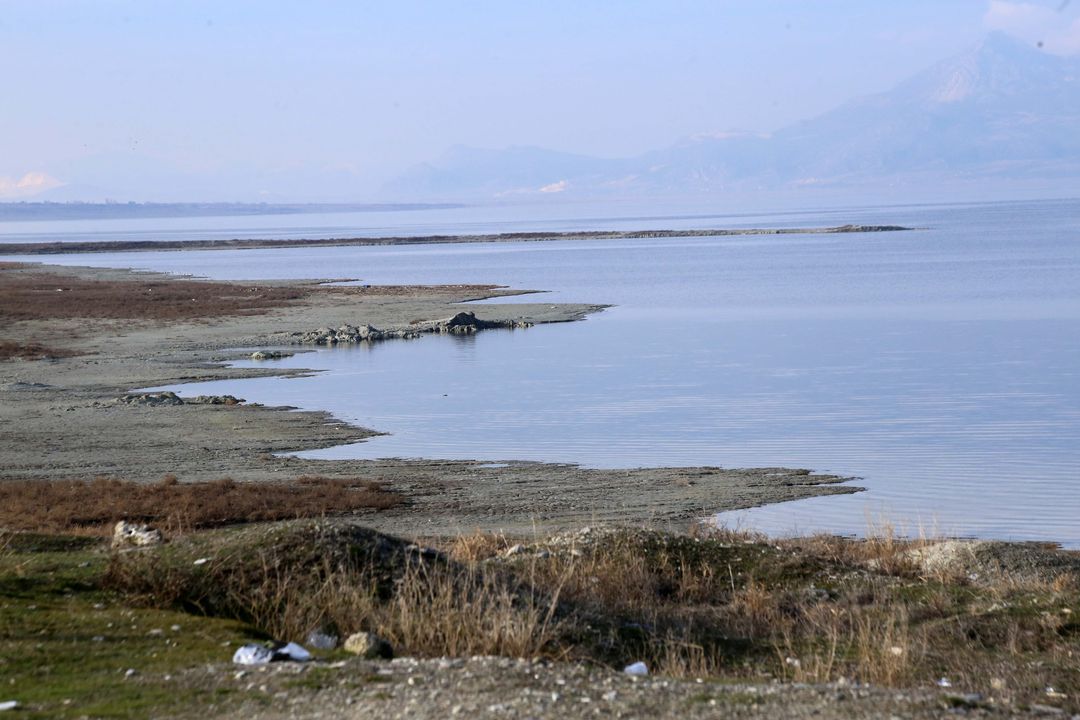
[487, 687]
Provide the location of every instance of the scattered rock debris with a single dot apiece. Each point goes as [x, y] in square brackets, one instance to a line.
[463, 323]
[168, 398]
[154, 399]
[270, 355]
[215, 400]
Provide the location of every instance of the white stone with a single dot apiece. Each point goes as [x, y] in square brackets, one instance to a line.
[368, 645]
[133, 534]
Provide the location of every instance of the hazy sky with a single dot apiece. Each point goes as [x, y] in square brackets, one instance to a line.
[326, 100]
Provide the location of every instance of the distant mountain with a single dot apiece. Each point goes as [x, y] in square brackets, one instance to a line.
[498, 173]
[124, 176]
[1001, 107]
[1002, 111]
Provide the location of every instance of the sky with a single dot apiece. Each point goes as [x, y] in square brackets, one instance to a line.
[193, 100]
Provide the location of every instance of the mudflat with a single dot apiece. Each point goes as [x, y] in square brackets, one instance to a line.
[79, 343]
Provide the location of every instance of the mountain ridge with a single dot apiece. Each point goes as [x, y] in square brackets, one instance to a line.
[1001, 109]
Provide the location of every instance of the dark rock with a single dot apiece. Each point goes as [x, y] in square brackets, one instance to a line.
[215, 400]
[463, 323]
[269, 355]
[152, 399]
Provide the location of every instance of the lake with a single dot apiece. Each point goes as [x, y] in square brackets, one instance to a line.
[939, 365]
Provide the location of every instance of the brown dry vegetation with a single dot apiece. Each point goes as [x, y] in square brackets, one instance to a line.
[44, 296]
[342, 578]
[717, 605]
[93, 507]
[10, 350]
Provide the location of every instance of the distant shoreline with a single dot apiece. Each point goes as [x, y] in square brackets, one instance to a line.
[57, 248]
[37, 211]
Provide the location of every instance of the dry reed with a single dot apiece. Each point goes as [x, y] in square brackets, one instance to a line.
[92, 507]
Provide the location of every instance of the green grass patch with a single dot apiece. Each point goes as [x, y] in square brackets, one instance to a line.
[66, 646]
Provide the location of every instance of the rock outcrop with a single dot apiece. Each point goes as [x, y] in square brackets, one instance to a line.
[350, 335]
[215, 400]
[270, 355]
[127, 534]
[463, 323]
[167, 398]
[155, 399]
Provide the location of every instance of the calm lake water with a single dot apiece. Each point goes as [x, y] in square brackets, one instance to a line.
[939, 365]
[550, 217]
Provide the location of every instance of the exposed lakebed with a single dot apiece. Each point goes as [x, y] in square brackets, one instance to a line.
[938, 365]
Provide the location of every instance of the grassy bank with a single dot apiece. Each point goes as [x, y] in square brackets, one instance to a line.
[996, 621]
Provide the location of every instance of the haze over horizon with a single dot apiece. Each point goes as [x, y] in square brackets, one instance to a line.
[268, 101]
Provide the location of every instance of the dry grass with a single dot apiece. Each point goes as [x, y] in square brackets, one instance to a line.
[815, 609]
[11, 350]
[345, 579]
[462, 611]
[94, 506]
[711, 605]
[45, 296]
[476, 546]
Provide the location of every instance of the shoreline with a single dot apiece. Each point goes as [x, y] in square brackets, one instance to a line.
[464, 567]
[63, 248]
[62, 417]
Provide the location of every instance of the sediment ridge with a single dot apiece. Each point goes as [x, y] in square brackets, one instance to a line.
[54, 248]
